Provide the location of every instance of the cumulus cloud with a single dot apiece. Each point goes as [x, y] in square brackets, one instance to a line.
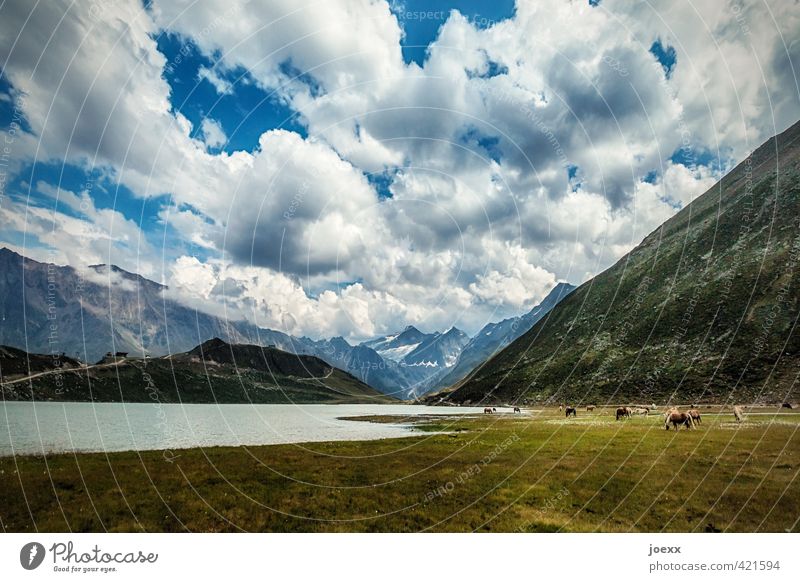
[512, 159]
[213, 134]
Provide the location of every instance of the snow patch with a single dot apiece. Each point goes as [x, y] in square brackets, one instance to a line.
[398, 353]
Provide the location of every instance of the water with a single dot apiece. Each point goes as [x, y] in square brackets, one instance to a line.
[46, 427]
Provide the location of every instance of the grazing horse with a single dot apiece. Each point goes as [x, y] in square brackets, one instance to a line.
[737, 413]
[571, 411]
[695, 414]
[623, 412]
[590, 408]
[516, 409]
[487, 410]
[677, 419]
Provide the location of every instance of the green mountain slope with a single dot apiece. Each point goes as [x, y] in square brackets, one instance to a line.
[704, 308]
[213, 372]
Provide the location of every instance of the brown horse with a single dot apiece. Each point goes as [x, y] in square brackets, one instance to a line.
[677, 419]
[487, 410]
[695, 414]
[737, 413]
[623, 412]
[516, 409]
[590, 408]
[571, 411]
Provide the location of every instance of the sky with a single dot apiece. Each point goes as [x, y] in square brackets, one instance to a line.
[350, 167]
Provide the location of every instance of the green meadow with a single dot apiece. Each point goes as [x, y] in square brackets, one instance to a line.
[530, 472]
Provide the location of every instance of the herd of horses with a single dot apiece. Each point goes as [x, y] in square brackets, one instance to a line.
[689, 419]
[492, 410]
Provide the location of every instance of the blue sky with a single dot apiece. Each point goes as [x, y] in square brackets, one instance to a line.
[421, 20]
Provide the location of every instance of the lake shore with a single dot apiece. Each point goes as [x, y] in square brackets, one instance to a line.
[524, 472]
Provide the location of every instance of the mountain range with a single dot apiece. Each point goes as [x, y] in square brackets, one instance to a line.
[705, 308]
[53, 309]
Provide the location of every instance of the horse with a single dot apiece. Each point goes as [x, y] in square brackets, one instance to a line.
[487, 410]
[623, 412]
[677, 419]
[737, 413]
[560, 407]
[590, 408]
[494, 409]
[516, 409]
[641, 410]
[695, 414]
[571, 411]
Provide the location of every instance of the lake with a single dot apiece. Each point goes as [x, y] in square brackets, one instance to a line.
[47, 427]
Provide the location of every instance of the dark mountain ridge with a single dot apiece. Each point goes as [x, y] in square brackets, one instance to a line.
[213, 372]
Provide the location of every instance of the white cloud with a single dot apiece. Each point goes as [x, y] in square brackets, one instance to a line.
[482, 220]
[222, 86]
[213, 134]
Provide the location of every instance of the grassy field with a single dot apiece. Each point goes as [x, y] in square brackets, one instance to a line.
[530, 472]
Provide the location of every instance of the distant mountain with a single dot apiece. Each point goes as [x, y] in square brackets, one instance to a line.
[495, 336]
[420, 358]
[48, 308]
[438, 350]
[704, 309]
[213, 372]
[397, 346]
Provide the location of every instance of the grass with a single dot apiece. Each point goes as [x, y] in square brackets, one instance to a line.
[530, 472]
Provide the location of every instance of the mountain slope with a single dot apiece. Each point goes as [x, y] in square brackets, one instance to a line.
[703, 309]
[213, 372]
[51, 308]
[495, 336]
[16, 362]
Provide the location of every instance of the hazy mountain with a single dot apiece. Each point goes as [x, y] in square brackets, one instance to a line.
[495, 336]
[705, 308]
[213, 372]
[48, 308]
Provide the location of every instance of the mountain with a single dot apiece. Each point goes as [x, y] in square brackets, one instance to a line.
[397, 346]
[704, 309]
[213, 372]
[438, 350]
[15, 362]
[421, 359]
[48, 308]
[495, 336]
